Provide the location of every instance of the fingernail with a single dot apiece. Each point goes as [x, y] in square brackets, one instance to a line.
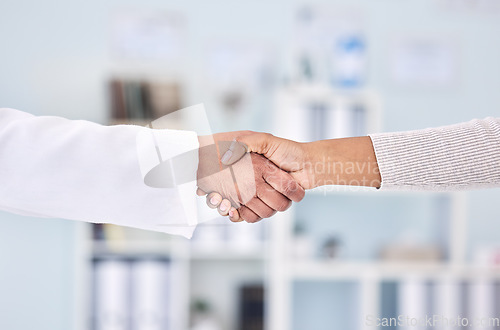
[231, 213]
[223, 207]
[214, 200]
[235, 152]
[227, 156]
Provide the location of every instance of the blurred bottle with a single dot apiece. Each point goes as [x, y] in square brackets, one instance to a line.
[348, 69]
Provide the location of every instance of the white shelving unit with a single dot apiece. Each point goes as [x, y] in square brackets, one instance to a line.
[369, 275]
[307, 112]
[282, 269]
[183, 256]
[285, 270]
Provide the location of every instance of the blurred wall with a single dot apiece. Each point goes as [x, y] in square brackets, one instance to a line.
[54, 60]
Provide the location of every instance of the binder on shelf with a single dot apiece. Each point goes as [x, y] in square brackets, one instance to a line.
[413, 298]
[481, 303]
[118, 108]
[251, 307]
[143, 100]
[134, 100]
[150, 295]
[111, 306]
[448, 301]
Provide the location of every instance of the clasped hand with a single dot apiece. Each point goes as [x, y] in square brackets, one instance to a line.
[250, 188]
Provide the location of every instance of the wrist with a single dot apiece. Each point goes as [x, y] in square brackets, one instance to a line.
[346, 161]
[316, 163]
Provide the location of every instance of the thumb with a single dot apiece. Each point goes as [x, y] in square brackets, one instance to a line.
[235, 152]
[254, 142]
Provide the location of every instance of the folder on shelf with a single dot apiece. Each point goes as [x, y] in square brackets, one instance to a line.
[481, 303]
[111, 308]
[150, 292]
[448, 301]
[413, 300]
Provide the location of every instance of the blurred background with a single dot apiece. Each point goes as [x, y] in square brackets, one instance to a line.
[302, 70]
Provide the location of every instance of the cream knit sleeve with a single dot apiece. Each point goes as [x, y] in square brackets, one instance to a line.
[456, 157]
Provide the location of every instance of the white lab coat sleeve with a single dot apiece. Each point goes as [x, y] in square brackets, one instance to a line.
[79, 170]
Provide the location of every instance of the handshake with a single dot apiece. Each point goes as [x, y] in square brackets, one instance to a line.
[250, 176]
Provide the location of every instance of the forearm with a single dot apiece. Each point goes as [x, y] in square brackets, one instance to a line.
[347, 161]
[54, 167]
[456, 157]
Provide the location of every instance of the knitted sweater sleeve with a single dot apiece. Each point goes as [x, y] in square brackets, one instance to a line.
[457, 157]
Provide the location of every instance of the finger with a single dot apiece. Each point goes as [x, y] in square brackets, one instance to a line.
[257, 142]
[224, 207]
[260, 208]
[273, 198]
[233, 153]
[248, 215]
[247, 142]
[234, 215]
[213, 200]
[284, 183]
[200, 192]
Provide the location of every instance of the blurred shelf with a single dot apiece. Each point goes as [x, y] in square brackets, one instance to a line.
[194, 251]
[338, 270]
[229, 252]
[131, 248]
[320, 90]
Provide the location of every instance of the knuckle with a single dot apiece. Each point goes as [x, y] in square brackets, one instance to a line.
[263, 191]
[272, 213]
[268, 213]
[289, 187]
[284, 205]
[293, 190]
[254, 219]
[250, 217]
[244, 214]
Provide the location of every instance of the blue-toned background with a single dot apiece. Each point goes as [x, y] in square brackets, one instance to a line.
[55, 60]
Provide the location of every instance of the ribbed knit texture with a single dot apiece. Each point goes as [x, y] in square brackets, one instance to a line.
[457, 157]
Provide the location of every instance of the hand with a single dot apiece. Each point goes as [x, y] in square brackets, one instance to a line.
[293, 157]
[254, 182]
[347, 161]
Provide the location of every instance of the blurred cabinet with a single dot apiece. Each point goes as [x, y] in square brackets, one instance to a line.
[350, 275]
[309, 112]
[139, 280]
[135, 279]
[348, 257]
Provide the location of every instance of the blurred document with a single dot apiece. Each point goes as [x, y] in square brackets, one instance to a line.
[147, 35]
[424, 61]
